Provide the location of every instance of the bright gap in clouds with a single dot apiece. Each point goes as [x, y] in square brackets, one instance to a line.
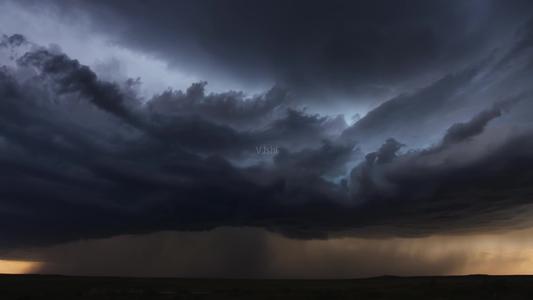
[18, 266]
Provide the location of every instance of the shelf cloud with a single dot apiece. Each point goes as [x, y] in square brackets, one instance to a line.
[447, 146]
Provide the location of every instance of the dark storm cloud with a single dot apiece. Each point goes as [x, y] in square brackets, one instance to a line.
[329, 158]
[128, 174]
[297, 129]
[317, 48]
[82, 157]
[403, 113]
[231, 108]
[461, 131]
[14, 40]
[445, 182]
[70, 76]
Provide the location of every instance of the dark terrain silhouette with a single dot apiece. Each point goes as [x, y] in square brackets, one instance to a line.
[386, 287]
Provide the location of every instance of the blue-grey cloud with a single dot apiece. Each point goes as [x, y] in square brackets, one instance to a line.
[83, 157]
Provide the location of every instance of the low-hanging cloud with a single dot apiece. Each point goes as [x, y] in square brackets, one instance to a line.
[82, 157]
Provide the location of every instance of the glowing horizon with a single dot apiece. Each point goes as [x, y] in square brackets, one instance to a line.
[8, 266]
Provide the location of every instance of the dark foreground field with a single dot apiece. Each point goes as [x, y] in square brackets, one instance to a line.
[459, 287]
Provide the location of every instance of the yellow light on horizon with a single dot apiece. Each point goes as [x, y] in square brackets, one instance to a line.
[18, 266]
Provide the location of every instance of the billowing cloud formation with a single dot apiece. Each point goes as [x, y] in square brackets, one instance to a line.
[357, 50]
[85, 157]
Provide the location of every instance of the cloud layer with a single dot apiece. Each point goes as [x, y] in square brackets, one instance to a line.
[82, 156]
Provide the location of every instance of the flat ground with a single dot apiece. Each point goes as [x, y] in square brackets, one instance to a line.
[456, 287]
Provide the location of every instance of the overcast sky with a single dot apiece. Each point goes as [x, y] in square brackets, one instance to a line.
[265, 129]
